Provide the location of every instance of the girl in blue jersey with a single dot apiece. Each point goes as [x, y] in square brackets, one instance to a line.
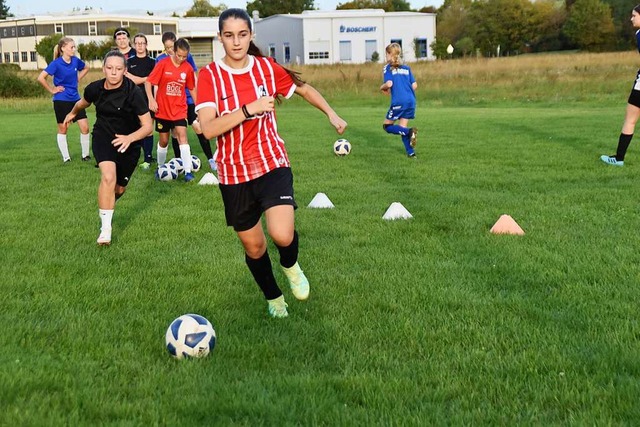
[67, 70]
[633, 107]
[401, 85]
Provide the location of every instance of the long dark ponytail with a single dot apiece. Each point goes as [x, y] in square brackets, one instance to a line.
[253, 49]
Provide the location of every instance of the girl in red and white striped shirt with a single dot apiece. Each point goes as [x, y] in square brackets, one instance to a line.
[235, 103]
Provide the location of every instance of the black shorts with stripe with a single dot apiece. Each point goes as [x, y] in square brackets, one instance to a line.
[244, 203]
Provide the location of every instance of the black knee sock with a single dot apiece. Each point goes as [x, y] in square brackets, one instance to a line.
[206, 146]
[289, 254]
[263, 274]
[147, 146]
[623, 144]
[176, 147]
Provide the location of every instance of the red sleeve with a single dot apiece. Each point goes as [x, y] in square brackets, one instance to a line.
[206, 93]
[154, 77]
[191, 79]
[284, 82]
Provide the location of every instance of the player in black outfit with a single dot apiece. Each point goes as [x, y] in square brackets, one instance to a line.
[633, 107]
[138, 68]
[122, 121]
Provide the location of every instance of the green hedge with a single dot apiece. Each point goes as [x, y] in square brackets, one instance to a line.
[12, 85]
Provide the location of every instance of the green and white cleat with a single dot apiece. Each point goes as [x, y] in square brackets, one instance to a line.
[145, 166]
[278, 307]
[297, 281]
[611, 160]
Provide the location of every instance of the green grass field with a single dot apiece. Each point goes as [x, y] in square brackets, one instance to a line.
[429, 321]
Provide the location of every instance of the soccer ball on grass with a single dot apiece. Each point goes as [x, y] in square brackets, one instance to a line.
[167, 172]
[341, 147]
[195, 163]
[190, 335]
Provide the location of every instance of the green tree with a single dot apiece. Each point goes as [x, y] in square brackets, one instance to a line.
[548, 19]
[274, 7]
[204, 8]
[590, 25]
[45, 46]
[452, 20]
[503, 24]
[95, 50]
[386, 5]
[4, 10]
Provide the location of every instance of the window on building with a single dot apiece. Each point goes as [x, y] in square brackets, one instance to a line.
[93, 28]
[319, 49]
[16, 57]
[399, 41]
[421, 48]
[370, 46]
[345, 50]
[24, 56]
[272, 50]
[34, 56]
[287, 53]
[124, 24]
[7, 57]
[58, 28]
[157, 29]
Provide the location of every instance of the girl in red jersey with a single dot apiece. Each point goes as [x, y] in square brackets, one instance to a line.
[171, 77]
[235, 103]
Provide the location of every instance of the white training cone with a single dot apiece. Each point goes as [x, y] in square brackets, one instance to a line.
[507, 225]
[397, 211]
[320, 201]
[209, 179]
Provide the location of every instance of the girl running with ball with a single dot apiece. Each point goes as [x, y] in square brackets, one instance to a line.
[236, 105]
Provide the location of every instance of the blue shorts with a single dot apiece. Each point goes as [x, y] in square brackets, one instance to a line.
[397, 112]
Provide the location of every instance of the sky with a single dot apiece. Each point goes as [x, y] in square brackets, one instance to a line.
[159, 7]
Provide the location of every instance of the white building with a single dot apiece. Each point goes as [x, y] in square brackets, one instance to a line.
[19, 36]
[344, 36]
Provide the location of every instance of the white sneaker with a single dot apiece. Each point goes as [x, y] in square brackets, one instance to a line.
[278, 307]
[297, 281]
[104, 239]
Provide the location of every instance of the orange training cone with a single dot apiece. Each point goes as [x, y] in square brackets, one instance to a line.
[507, 225]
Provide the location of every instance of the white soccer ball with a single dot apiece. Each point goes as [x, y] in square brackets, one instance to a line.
[167, 172]
[341, 147]
[190, 335]
[177, 164]
[195, 163]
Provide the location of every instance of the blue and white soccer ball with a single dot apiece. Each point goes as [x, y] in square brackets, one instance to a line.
[190, 335]
[167, 172]
[195, 163]
[341, 147]
[177, 164]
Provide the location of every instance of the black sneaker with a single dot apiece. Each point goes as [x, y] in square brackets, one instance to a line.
[86, 158]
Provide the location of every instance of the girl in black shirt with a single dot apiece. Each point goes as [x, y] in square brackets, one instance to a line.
[122, 121]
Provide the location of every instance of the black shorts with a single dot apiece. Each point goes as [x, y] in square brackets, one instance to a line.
[62, 108]
[191, 113]
[244, 203]
[165, 126]
[104, 151]
[634, 96]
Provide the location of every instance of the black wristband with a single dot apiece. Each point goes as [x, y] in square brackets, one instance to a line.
[246, 112]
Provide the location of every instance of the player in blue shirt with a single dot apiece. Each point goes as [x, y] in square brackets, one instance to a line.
[67, 70]
[401, 85]
[168, 40]
[633, 107]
